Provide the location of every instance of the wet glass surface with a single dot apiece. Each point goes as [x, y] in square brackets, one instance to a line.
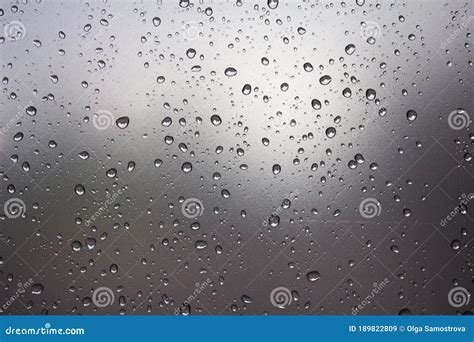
[236, 157]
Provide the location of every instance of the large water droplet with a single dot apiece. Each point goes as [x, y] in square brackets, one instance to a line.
[350, 49]
[272, 3]
[411, 115]
[230, 72]
[123, 122]
[276, 169]
[313, 276]
[216, 120]
[31, 111]
[79, 189]
[316, 104]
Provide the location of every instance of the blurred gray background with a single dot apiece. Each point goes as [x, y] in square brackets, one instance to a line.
[277, 122]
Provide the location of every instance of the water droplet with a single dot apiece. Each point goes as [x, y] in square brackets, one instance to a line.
[111, 173]
[325, 80]
[246, 299]
[79, 189]
[359, 158]
[313, 276]
[276, 169]
[187, 167]
[370, 94]
[84, 155]
[404, 312]
[316, 104]
[225, 193]
[190, 53]
[156, 21]
[411, 115]
[123, 122]
[76, 246]
[216, 120]
[200, 244]
[274, 221]
[272, 3]
[456, 244]
[31, 111]
[308, 67]
[330, 132]
[246, 90]
[350, 49]
[37, 289]
[347, 92]
[230, 72]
